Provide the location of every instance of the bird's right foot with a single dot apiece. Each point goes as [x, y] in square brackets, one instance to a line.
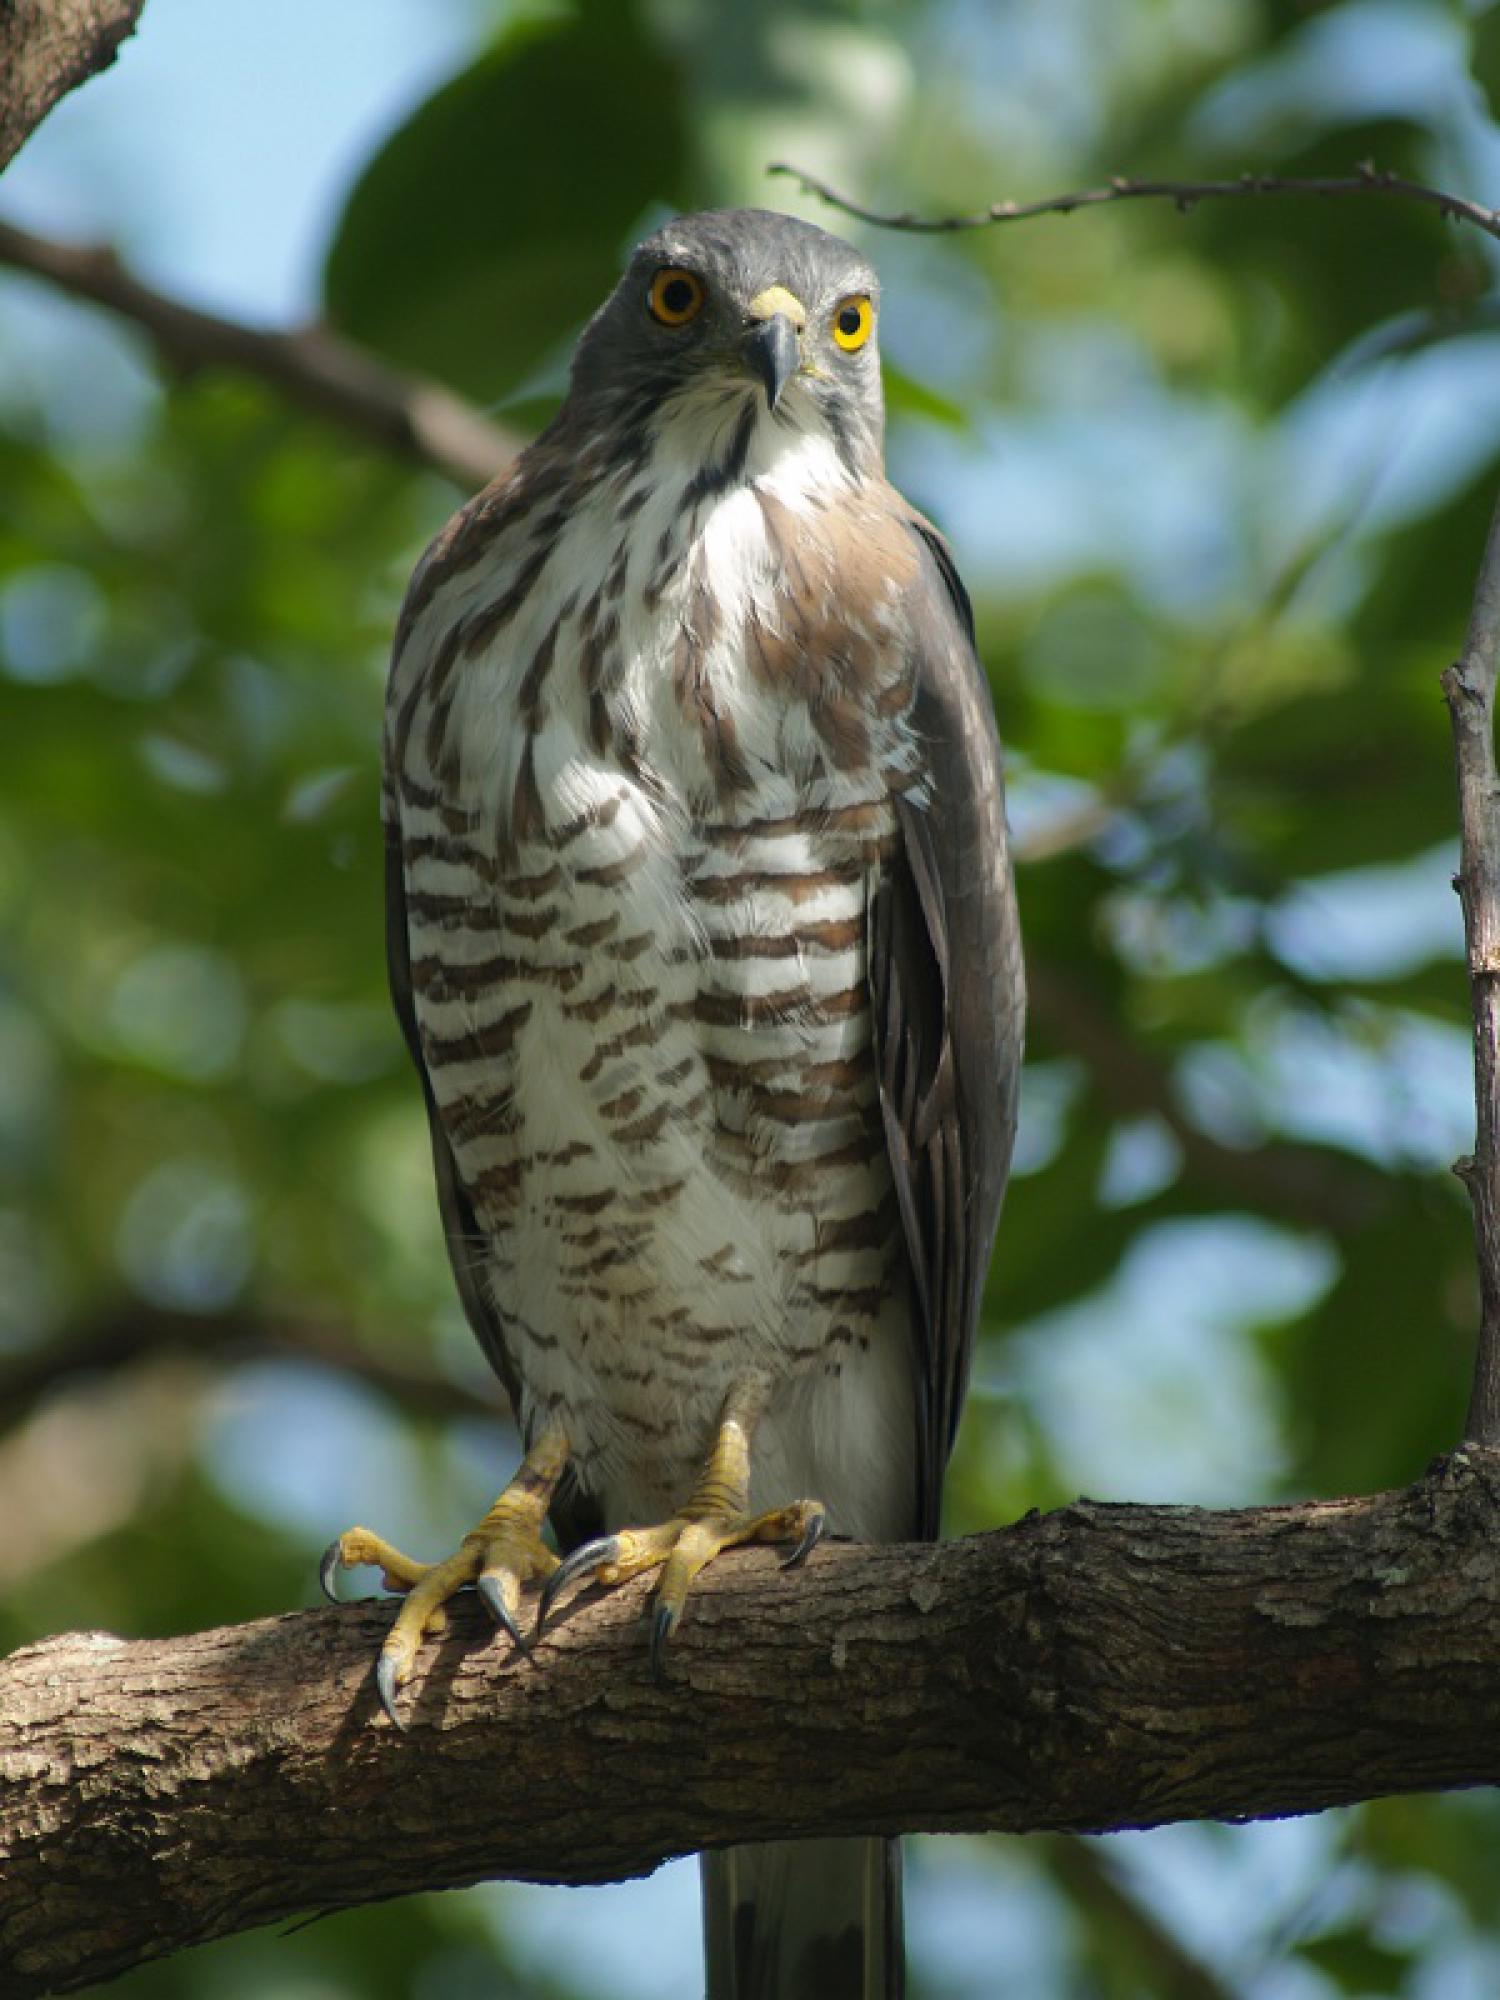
[503, 1553]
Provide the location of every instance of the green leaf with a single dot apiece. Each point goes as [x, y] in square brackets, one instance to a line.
[491, 225]
[1357, 1962]
[905, 396]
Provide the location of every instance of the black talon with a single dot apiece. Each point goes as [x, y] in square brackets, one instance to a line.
[328, 1572]
[493, 1599]
[385, 1687]
[812, 1534]
[585, 1559]
[662, 1625]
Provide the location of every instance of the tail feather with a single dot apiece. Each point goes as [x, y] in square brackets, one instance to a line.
[804, 1920]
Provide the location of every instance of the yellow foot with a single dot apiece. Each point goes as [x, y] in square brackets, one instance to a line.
[680, 1548]
[715, 1518]
[498, 1557]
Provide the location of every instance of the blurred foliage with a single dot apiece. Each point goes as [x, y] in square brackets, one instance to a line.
[1219, 484]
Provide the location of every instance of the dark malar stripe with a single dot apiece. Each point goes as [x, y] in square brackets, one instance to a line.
[713, 480]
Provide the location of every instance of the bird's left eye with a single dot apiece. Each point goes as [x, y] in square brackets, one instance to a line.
[852, 322]
[676, 296]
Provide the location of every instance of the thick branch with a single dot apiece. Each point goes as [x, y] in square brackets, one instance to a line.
[1470, 688]
[49, 47]
[404, 413]
[1366, 179]
[1098, 1667]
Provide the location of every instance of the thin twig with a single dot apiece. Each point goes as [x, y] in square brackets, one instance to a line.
[1470, 688]
[1367, 178]
[312, 366]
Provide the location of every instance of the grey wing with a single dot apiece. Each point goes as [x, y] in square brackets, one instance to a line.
[948, 1003]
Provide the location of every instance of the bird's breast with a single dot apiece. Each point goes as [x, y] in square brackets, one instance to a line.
[642, 817]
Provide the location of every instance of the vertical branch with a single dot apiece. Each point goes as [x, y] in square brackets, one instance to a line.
[1470, 689]
[49, 47]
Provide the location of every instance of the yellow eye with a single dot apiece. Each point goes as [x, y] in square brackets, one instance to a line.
[852, 322]
[676, 296]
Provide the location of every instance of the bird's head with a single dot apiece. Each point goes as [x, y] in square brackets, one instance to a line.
[739, 304]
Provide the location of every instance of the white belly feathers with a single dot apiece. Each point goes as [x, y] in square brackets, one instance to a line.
[641, 993]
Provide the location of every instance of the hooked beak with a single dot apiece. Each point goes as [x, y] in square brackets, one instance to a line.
[770, 347]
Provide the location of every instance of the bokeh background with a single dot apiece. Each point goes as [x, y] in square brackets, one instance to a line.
[1219, 483]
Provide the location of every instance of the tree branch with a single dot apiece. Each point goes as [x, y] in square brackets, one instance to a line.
[49, 47]
[1100, 1667]
[1366, 179]
[1470, 689]
[408, 414]
[130, 1331]
[1312, 1184]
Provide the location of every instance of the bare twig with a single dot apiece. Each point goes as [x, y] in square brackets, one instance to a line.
[405, 413]
[1275, 1660]
[49, 47]
[1470, 688]
[1366, 179]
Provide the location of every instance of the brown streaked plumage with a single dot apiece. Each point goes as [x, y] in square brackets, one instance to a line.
[703, 940]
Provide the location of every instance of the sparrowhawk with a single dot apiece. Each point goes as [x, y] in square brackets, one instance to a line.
[703, 937]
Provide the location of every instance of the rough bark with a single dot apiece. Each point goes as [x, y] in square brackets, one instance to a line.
[1100, 1667]
[49, 47]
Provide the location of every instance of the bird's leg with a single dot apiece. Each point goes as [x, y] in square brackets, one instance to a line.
[498, 1556]
[716, 1517]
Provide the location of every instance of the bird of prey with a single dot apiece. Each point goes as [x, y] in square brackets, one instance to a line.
[703, 937]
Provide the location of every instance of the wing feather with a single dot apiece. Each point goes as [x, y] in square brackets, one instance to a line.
[948, 996]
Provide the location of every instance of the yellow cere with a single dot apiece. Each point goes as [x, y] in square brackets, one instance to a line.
[853, 319]
[676, 296]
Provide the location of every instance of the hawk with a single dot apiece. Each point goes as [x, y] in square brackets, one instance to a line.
[703, 937]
